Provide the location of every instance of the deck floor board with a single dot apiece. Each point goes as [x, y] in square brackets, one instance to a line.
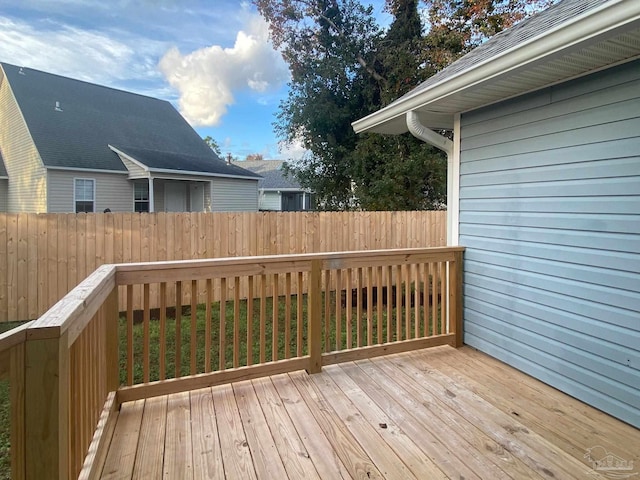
[433, 413]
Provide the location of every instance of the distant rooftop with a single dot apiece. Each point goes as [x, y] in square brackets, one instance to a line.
[272, 176]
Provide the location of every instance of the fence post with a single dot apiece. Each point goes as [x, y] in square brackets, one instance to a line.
[314, 315]
[47, 407]
[455, 298]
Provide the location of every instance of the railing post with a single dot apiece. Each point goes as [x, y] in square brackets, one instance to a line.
[47, 408]
[455, 298]
[314, 316]
[111, 339]
[16, 379]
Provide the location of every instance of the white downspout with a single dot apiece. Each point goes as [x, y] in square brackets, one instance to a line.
[427, 135]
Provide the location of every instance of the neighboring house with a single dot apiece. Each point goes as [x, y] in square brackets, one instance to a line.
[278, 192]
[544, 190]
[72, 146]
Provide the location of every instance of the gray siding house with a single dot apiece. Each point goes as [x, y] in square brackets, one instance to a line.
[277, 192]
[72, 146]
[544, 192]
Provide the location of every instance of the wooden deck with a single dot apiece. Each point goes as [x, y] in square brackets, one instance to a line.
[435, 413]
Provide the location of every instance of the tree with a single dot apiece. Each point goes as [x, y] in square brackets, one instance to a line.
[344, 66]
[254, 157]
[213, 145]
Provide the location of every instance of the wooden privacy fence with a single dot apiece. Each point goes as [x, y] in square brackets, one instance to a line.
[44, 256]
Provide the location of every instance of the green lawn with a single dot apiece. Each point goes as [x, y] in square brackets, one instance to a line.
[185, 341]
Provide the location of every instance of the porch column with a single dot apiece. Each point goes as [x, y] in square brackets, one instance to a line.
[151, 199]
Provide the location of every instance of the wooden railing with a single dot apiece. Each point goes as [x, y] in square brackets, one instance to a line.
[262, 316]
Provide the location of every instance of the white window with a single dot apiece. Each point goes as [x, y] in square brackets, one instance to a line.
[141, 197]
[84, 195]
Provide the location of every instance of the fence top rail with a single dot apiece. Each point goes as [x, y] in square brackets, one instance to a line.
[155, 272]
[76, 308]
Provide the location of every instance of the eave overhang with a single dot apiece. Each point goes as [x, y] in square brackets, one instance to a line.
[600, 37]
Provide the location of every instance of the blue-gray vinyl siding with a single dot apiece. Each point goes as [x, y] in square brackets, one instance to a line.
[550, 216]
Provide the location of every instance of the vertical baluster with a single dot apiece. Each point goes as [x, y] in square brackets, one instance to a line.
[348, 298]
[178, 366]
[299, 315]
[389, 286]
[162, 335]
[416, 300]
[207, 326]
[129, 334]
[145, 335]
[359, 308]
[407, 301]
[434, 298]
[287, 316]
[398, 284]
[369, 306]
[222, 344]
[236, 322]
[250, 320]
[338, 310]
[193, 341]
[379, 297]
[327, 309]
[263, 317]
[275, 318]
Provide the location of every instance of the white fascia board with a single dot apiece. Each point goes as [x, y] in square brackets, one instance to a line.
[597, 21]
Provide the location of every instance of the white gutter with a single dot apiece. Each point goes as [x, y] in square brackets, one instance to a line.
[427, 135]
[594, 22]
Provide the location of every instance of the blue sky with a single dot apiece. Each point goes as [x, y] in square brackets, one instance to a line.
[211, 59]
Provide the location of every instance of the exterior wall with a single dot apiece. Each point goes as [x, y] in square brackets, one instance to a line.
[231, 194]
[270, 201]
[550, 216]
[27, 191]
[113, 191]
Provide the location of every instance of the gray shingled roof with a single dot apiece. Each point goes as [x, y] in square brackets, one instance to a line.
[531, 27]
[157, 160]
[272, 176]
[91, 117]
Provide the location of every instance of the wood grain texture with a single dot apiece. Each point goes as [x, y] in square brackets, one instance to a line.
[434, 413]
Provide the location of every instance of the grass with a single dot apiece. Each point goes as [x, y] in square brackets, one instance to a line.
[185, 325]
[185, 344]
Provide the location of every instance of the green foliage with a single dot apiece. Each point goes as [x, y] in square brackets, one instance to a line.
[213, 145]
[344, 66]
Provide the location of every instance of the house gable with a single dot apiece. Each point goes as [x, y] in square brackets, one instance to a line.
[20, 156]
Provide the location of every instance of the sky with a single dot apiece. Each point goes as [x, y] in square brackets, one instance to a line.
[210, 58]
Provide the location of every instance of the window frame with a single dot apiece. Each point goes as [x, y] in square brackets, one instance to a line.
[85, 201]
[137, 201]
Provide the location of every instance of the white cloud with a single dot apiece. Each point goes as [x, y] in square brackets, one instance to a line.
[207, 78]
[291, 152]
[90, 55]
